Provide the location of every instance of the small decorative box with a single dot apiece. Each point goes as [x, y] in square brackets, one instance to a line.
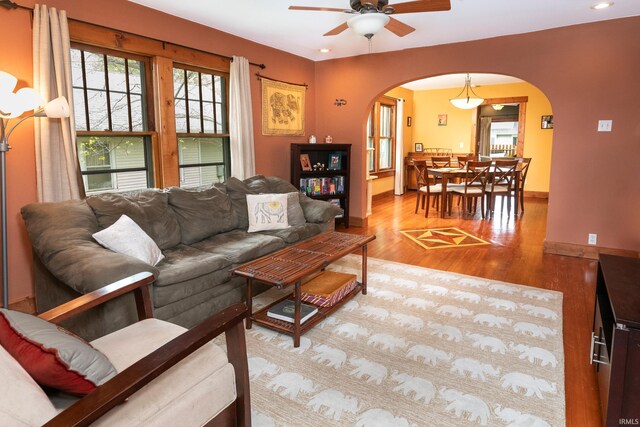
[328, 288]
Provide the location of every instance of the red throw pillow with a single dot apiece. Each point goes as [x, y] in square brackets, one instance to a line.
[53, 356]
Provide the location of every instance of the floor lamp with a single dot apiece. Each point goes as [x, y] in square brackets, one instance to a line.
[14, 105]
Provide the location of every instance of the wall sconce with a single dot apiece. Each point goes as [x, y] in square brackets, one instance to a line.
[340, 102]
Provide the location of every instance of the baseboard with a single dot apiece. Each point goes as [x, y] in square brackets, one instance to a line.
[537, 194]
[382, 195]
[27, 305]
[585, 251]
[358, 222]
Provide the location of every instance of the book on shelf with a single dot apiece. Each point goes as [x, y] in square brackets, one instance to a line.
[285, 310]
[322, 186]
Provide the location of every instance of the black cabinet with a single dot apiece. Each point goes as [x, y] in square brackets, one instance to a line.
[615, 341]
[323, 171]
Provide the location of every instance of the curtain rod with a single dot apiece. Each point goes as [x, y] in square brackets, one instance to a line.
[260, 77]
[8, 4]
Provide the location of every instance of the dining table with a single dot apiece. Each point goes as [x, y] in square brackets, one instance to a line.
[447, 174]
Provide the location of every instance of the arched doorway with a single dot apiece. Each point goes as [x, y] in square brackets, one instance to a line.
[431, 122]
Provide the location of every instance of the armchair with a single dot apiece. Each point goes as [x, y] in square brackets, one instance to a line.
[166, 374]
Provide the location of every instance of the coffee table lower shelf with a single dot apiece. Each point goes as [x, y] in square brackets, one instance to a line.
[263, 319]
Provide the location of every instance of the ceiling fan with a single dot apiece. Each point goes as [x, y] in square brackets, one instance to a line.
[377, 15]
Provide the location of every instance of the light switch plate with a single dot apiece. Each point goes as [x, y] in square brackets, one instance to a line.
[605, 125]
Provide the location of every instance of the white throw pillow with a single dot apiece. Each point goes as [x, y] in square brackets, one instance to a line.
[267, 212]
[126, 237]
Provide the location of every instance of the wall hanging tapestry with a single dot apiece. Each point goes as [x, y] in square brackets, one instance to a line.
[282, 108]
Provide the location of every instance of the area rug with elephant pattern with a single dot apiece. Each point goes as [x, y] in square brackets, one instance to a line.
[422, 348]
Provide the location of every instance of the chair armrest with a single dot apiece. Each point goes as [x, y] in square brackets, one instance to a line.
[138, 283]
[119, 388]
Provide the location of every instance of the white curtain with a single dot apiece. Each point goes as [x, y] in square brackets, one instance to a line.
[399, 155]
[485, 136]
[57, 167]
[241, 120]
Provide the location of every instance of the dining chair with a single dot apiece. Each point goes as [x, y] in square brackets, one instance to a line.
[441, 161]
[525, 162]
[502, 183]
[462, 160]
[426, 190]
[474, 186]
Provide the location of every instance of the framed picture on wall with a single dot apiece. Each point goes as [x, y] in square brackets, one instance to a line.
[442, 119]
[546, 122]
[419, 148]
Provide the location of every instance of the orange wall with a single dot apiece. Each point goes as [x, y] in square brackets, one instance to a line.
[272, 153]
[588, 72]
[459, 134]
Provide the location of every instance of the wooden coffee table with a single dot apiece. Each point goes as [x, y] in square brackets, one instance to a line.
[289, 266]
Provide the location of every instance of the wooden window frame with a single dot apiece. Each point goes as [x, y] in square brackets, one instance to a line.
[375, 112]
[162, 56]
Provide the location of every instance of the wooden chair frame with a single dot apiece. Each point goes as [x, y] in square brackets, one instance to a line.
[525, 162]
[422, 180]
[503, 182]
[477, 178]
[115, 391]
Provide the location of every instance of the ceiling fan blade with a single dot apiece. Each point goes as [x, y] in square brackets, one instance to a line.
[421, 6]
[398, 28]
[320, 9]
[337, 30]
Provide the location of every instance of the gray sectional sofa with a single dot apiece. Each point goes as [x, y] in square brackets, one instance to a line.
[202, 234]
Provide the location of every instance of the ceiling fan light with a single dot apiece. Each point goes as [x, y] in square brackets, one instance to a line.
[368, 24]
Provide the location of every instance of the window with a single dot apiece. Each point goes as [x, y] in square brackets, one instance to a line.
[381, 135]
[201, 126]
[112, 119]
[143, 117]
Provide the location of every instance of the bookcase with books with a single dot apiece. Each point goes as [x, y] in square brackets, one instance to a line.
[322, 171]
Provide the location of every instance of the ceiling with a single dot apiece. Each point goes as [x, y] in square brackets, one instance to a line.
[300, 32]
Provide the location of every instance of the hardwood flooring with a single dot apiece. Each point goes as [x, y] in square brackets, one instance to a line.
[515, 256]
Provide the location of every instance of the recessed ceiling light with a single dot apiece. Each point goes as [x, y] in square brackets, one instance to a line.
[602, 5]
[325, 50]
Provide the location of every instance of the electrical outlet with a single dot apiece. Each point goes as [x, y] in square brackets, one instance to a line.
[462, 145]
[605, 125]
[593, 239]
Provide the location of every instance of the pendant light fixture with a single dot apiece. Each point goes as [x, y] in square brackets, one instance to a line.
[467, 102]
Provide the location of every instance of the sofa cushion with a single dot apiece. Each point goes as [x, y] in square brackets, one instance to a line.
[22, 401]
[279, 185]
[52, 356]
[267, 212]
[295, 214]
[201, 213]
[190, 393]
[318, 211]
[238, 191]
[186, 262]
[239, 246]
[148, 208]
[126, 237]
[296, 233]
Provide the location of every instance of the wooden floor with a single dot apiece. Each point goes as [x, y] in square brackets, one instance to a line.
[515, 256]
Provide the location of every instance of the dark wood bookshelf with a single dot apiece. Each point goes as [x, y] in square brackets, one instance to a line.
[320, 153]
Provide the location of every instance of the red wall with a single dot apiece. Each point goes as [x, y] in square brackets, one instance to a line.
[588, 72]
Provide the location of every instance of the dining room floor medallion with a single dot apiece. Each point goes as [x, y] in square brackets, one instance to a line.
[436, 238]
